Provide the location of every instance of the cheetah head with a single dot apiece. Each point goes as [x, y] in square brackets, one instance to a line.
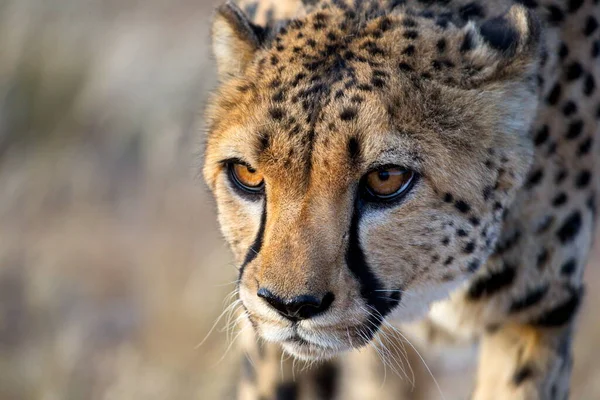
[361, 159]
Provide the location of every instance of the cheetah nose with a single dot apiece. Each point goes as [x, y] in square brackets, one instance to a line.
[297, 308]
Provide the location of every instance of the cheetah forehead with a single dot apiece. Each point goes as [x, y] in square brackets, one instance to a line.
[347, 71]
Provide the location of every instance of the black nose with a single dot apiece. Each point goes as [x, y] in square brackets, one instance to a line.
[297, 308]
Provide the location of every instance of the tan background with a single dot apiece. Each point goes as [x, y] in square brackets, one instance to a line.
[111, 266]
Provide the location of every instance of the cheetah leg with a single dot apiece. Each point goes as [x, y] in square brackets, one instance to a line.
[524, 362]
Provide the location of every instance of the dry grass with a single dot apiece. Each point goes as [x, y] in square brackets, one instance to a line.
[111, 266]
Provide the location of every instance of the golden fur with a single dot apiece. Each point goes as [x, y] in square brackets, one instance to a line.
[317, 102]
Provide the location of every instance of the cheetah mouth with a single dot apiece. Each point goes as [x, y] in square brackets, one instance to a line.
[312, 345]
[308, 350]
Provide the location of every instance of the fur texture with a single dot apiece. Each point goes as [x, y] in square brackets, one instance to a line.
[492, 104]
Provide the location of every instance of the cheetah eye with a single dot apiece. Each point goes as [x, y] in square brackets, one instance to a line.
[246, 178]
[388, 183]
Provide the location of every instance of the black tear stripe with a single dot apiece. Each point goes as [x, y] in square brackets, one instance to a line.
[378, 303]
[257, 245]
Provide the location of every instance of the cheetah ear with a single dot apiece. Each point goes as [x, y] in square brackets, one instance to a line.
[516, 32]
[509, 42]
[235, 40]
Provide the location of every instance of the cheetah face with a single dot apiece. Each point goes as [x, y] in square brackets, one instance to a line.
[361, 163]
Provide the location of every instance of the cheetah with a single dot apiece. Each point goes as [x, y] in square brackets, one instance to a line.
[380, 162]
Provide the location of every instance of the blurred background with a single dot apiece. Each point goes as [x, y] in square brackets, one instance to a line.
[112, 269]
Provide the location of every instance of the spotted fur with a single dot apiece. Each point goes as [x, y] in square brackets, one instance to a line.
[493, 103]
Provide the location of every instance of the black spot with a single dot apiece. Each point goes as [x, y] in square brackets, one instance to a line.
[568, 267]
[508, 242]
[471, 10]
[561, 176]
[377, 82]
[595, 49]
[468, 43]
[409, 23]
[542, 259]
[555, 15]
[442, 22]
[375, 51]
[348, 114]
[563, 51]
[264, 141]
[573, 71]
[277, 113]
[574, 5]
[569, 108]
[542, 135]
[499, 34]
[469, 248]
[405, 67]
[585, 147]
[353, 149]
[286, 391]
[522, 374]
[534, 178]
[554, 95]
[409, 50]
[279, 96]
[589, 85]
[528, 3]
[439, 64]
[487, 192]
[570, 228]
[559, 200]
[449, 260]
[591, 24]
[357, 99]
[474, 265]
[462, 206]
[583, 179]
[563, 313]
[530, 299]
[448, 198]
[591, 204]
[441, 45]
[574, 130]
[461, 233]
[386, 24]
[411, 34]
[495, 281]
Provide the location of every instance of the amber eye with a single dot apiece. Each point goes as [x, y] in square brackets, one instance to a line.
[388, 183]
[246, 178]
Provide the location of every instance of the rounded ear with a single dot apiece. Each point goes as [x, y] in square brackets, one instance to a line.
[508, 43]
[234, 41]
